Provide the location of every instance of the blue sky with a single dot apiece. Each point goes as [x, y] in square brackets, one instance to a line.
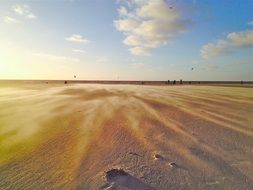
[127, 40]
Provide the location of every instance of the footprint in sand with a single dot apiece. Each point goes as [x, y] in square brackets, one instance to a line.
[120, 178]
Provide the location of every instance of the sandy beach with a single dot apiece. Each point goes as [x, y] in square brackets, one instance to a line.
[79, 136]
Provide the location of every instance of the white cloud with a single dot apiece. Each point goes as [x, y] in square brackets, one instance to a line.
[9, 20]
[56, 57]
[20, 9]
[78, 51]
[143, 51]
[241, 39]
[122, 11]
[212, 50]
[24, 10]
[77, 38]
[127, 25]
[233, 41]
[148, 24]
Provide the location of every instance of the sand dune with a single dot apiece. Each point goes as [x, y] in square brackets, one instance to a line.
[69, 136]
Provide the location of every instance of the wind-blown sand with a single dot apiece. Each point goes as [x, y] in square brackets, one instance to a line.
[162, 137]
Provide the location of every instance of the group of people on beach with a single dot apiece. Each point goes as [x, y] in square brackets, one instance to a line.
[175, 82]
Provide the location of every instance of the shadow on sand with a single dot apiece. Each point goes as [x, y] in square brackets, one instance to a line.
[118, 178]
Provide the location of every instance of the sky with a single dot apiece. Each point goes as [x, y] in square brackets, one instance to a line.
[126, 39]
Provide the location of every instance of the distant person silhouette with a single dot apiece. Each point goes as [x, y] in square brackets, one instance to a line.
[174, 82]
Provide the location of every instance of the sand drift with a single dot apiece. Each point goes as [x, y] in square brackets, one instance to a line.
[88, 136]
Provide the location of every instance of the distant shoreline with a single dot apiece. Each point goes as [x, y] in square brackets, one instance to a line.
[134, 82]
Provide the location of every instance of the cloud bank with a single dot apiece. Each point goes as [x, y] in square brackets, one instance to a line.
[233, 41]
[148, 24]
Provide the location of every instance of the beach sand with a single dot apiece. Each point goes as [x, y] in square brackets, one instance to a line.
[79, 136]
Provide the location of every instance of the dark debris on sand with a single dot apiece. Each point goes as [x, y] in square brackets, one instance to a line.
[173, 164]
[158, 156]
